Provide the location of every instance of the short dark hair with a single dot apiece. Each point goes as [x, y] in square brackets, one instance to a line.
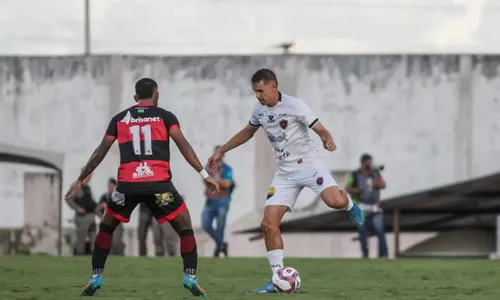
[365, 157]
[145, 88]
[265, 75]
[112, 180]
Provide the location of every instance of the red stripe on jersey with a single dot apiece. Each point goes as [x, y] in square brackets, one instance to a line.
[157, 129]
[110, 136]
[175, 126]
[144, 171]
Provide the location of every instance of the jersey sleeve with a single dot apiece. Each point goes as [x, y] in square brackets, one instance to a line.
[112, 131]
[305, 115]
[170, 120]
[254, 118]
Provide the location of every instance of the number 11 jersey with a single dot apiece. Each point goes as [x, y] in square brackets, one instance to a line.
[142, 132]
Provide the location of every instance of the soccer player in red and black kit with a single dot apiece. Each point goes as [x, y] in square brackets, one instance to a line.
[143, 132]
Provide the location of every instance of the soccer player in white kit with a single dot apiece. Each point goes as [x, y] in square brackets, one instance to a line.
[286, 121]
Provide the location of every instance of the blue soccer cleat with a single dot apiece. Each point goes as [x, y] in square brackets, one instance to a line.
[268, 288]
[356, 214]
[93, 286]
[191, 283]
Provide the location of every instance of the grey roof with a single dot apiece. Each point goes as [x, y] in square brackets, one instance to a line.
[468, 204]
[27, 153]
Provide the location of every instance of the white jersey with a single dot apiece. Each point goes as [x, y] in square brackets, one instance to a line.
[287, 127]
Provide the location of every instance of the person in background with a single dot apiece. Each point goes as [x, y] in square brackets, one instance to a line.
[118, 246]
[217, 207]
[84, 205]
[145, 219]
[364, 185]
[165, 238]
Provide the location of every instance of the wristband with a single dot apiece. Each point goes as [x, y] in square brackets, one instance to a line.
[204, 174]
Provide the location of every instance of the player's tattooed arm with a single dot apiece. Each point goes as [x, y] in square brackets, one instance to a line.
[97, 157]
[185, 148]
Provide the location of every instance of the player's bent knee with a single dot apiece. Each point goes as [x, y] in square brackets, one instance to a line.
[269, 227]
[182, 222]
[186, 232]
[110, 220]
[104, 237]
[106, 228]
[334, 197]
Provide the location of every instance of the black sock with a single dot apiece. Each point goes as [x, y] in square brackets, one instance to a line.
[189, 251]
[102, 247]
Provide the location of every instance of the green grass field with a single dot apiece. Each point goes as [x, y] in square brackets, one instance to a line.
[49, 278]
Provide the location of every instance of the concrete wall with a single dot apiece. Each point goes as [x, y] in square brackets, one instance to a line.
[406, 110]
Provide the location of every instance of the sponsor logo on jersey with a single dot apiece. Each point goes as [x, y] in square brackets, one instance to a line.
[143, 170]
[277, 139]
[270, 119]
[270, 192]
[319, 181]
[129, 119]
[281, 154]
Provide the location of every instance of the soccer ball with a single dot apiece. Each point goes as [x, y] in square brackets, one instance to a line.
[286, 280]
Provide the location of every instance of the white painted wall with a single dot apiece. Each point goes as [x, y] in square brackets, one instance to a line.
[403, 110]
[12, 193]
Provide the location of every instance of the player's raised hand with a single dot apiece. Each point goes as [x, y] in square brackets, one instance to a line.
[73, 189]
[213, 162]
[212, 183]
[328, 144]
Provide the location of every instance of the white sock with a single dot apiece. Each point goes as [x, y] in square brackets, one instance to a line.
[350, 204]
[275, 258]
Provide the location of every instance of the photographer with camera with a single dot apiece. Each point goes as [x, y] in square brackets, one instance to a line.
[364, 186]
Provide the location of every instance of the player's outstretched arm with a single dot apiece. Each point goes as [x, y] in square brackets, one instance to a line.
[94, 160]
[185, 148]
[190, 156]
[239, 139]
[325, 135]
[97, 157]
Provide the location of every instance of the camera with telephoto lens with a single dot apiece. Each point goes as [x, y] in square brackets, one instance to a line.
[378, 168]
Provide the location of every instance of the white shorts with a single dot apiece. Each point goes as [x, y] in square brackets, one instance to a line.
[285, 188]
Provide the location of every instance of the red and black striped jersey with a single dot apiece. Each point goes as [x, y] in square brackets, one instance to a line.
[142, 132]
